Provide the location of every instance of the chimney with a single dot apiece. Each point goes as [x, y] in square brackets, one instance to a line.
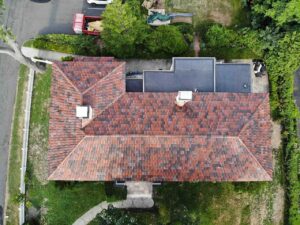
[183, 97]
[84, 112]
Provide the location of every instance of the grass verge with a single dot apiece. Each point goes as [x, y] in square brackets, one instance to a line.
[15, 155]
[55, 202]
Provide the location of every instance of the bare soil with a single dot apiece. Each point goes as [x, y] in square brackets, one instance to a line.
[216, 10]
[38, 154]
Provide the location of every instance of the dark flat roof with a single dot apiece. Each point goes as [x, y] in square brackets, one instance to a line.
[233, 77]
[134, 85]
[188, 74]
[203, 74]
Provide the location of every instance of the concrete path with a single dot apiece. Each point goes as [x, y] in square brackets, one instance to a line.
[49, 55]
[136, 190]
[139, 195]
[196, 45]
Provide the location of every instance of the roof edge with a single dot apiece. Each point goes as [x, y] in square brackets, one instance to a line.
[256, 110]
[269, 176]
[49, 177]
[91, 87]
[62, 73]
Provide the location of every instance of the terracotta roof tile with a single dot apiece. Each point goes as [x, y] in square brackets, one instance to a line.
[145, 136]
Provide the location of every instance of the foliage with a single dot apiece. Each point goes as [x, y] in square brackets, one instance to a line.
[187, 30]
[281, 65]
[127, 35]
[71, 44]
[113, 216]
[228, 43]
[278, 13]
[67, 58]
[123, 30]
[167, 41]
[218, 36]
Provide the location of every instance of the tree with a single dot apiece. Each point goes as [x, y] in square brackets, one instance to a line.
[167, 41]
[12, 48]
[282, 13]
[123, 30]
[113, 216]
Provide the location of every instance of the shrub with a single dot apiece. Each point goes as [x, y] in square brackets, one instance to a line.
[218, 36]
[71, 44]
[167, 41]
[67, 58]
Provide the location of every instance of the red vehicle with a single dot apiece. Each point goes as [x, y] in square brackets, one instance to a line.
[90, 25]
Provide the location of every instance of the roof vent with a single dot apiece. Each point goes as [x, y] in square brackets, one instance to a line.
[84, 112]
[183, 97]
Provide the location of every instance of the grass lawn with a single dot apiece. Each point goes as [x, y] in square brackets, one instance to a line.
[226, 12]
[15, 156]
[56, 202]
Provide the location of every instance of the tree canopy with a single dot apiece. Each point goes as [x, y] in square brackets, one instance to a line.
[123, 30]
[167, 41]
[281, 12]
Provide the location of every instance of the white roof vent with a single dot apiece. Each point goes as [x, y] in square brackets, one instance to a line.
[84, 112]
[183, 97]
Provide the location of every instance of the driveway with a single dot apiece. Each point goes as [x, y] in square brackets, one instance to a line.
[27, 19]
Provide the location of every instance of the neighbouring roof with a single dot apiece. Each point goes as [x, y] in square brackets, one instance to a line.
[145, 136]
[201, 74]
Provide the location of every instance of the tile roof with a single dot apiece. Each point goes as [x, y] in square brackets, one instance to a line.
[145, 136]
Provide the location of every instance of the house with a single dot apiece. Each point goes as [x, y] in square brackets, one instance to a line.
[100, 132]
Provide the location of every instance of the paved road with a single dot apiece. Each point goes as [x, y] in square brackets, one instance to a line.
[27, 19]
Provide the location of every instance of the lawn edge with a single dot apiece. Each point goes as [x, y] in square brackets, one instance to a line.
[18, 95]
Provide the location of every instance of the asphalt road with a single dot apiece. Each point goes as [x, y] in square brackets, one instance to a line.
[27, 19]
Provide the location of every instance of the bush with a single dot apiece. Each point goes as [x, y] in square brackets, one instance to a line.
[218, 36]
[71, 44]
[67, 58]
[113, 216]
[281, 65]
[167, 41]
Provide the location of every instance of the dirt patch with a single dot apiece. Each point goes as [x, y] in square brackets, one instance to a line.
[278, 206]
[38, 154]
[276, 135]
[217, 10]
[221, 17]
[259, 210]
[182, 19]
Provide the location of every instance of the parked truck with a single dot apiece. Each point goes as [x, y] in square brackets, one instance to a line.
[90, 25]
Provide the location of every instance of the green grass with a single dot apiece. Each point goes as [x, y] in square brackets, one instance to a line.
[60, 202]
[240, 15]
[15, 155]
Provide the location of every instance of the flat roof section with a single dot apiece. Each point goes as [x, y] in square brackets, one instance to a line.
[233, 78]
[134, 85]
[189, 74]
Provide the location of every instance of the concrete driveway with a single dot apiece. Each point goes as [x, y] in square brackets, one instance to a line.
[27, 19]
